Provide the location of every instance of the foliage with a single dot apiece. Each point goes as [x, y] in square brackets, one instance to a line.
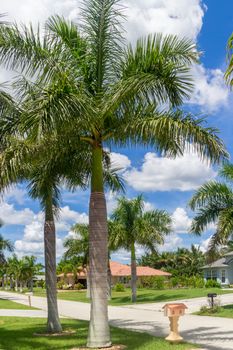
[212, 284]
[210, 310]
[78, 286]
[213, 203]
[119, 287]
[154, 282]
[183, 262]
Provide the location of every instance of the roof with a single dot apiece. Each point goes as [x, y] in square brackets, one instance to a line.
[218, 263]
[175, 306]
[229, 254]
[121, 270]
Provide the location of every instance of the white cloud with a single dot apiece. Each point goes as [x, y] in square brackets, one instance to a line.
[211, 92]
[172, 242]
[17, 194]
[166, 16]
[181, 221]
[32, 241]
[120, 161]
[164, 174]
[204, 244]
[11, 216]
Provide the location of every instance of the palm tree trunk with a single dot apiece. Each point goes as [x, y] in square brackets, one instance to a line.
[16, 284]
[31, 285]
[99, 334]
[88, 293]
[133, 274]
[53, 322]
[21, 287]
[109, 281]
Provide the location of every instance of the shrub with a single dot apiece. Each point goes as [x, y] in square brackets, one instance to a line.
[212, 284]
[210, 310]
[159, 282]
[60, 284]
[174, 282]
[119, 287]
[78, 286]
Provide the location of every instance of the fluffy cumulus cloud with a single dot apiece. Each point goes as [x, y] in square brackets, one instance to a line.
[119, 160]
[181, 221]
[164, 174]
[172, 242]
[11, 216]
[210, 88]
[32, 241]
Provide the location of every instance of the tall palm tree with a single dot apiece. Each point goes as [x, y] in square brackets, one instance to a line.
[213, 202]
[130, 225]
[100, 92]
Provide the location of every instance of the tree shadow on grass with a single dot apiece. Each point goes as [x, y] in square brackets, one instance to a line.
[17, 334]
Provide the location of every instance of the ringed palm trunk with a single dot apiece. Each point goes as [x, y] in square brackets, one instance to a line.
[16, 284]
[99, 334]
[109, 281]
[133, 274]
[53, 322]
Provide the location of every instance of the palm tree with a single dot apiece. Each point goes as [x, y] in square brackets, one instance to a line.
[229, 70]
[78, 245]
[14, 269]
[214, 204]
[32, 268]
[5, 244]
[101, 93]
[130, 225]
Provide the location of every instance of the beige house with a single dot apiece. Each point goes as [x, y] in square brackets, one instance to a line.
[120, 274]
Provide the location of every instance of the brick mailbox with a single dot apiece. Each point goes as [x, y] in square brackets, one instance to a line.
[174, 311]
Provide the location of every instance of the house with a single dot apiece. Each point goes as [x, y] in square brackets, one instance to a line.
[220, 270]
[120, 273]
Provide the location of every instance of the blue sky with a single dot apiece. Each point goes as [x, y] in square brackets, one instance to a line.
[166, 184]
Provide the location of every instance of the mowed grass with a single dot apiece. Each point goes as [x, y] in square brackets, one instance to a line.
[225, 311]
[17, 334]
[143, 295]
[8, 304]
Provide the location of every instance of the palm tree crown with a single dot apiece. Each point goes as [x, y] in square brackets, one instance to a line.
[214, 204]
[130, 225]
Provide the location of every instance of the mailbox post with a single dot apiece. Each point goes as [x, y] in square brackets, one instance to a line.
[211, 297]
[174, 311]
[29, 294]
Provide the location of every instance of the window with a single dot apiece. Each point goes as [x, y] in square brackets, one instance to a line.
[223, 276]
[214, 275]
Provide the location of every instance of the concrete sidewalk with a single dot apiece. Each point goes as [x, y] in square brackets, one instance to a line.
[213, 333]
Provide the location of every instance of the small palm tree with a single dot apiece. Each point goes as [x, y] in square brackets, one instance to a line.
[32, 268]
[5, 244]
[130, 225]
[214, 204]
[79, 244]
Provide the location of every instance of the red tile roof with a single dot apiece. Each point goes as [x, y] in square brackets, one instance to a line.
[121, 270]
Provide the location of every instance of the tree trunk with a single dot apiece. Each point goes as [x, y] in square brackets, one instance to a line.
[109, 281]
[11, 283]
[88, 293]
[133, 274]
[53, 322]
[21, 287]
[31, 285]
[99, 334]
[16, 284]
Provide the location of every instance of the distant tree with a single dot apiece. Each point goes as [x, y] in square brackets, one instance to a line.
[213, 203]
[131, 225]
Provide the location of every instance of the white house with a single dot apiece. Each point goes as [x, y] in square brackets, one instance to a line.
[220, 270]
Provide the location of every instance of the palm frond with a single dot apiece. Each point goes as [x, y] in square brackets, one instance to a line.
[229, 71]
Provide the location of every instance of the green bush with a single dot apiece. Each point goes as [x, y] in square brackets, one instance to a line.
[78, 286]
[60, 284]
[159, 282]
[119, 287]
[175, 282]
[210, 310]
[212, 284]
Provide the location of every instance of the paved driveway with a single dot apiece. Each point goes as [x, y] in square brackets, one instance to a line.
[213, 333]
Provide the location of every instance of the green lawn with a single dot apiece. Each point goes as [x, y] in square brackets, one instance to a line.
[144, 295]
[17, 334]
[7, 304]
[224, 311]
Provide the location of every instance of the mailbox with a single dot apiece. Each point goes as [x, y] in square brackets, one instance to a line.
[174, 311]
